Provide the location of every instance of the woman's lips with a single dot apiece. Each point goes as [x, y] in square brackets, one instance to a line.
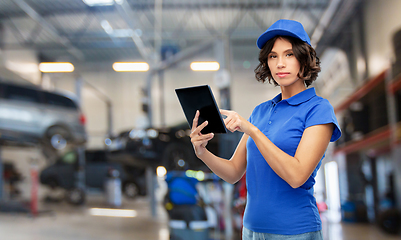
[283, 74]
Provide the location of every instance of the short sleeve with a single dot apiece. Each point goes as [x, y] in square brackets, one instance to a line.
[323, 113]
[253, 112]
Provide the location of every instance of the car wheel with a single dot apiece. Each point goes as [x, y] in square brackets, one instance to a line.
[56, 142]
[52, 183]
[131, 190]
[75, 196]
[178, 157]
[390, 221]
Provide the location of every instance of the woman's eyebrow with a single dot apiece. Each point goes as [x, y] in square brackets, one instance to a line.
[288, 50]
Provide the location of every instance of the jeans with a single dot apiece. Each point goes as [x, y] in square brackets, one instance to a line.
[251, 235]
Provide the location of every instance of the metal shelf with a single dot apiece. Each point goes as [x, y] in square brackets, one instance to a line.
[376, 142]
[362, 91]
[379, 140]
[395, 85]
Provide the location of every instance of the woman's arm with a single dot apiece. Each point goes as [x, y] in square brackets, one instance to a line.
[294, 170]
[229, 170]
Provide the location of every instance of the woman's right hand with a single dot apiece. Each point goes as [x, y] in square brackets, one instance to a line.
[199, 140]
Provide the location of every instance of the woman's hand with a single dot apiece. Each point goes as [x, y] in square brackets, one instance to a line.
[234, 122]
[199, 140]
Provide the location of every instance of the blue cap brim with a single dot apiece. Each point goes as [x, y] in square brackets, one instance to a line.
[266, 36]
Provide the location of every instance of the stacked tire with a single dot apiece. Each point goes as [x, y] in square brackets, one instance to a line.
[390, 221]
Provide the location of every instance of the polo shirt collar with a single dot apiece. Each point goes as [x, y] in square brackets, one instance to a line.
[298, 98]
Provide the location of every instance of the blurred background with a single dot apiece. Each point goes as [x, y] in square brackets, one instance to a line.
[94, 143]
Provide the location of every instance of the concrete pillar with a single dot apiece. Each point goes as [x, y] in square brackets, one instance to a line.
[150, 187]
[395, 148]
[227, 142]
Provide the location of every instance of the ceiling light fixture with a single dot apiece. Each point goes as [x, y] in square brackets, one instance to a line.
[205, 66]
[53, 67]
[92, 3]
[130, 66]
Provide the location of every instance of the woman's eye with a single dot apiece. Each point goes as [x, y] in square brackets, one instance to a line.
[272, 56]
[290, 54]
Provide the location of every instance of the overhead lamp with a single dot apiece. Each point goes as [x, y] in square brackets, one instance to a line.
[205, 66]
[54, 67]
[92, 3]
[130, 66]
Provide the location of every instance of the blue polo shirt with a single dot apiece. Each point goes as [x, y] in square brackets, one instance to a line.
[273, 206]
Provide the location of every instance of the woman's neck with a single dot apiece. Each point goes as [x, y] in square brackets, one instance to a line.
[292, 90]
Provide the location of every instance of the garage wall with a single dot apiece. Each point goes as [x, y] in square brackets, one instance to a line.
[23, 65]
[19, 59]
[246, 92]
[124, 90]
[382, 20]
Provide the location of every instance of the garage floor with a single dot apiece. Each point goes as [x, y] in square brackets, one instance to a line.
[67, 222]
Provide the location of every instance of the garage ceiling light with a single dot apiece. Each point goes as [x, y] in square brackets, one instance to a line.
[130, 66]
[108, 212]
[205, 66]
[92, 3]
[53, 67]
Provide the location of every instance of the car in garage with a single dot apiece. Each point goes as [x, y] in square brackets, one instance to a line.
[169, 147]
[29, 114]
[98, 165]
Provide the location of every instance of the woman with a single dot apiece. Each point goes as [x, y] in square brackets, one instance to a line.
[284, 140]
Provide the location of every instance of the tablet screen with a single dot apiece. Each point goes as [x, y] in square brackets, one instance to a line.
[201, 98]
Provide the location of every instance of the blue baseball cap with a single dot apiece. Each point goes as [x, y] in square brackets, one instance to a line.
[283, 27]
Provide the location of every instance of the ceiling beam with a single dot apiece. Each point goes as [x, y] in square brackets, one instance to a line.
[145, 51]
[232, 5]
[16, 32]
[182, 55]
[181, 25]
[49, 28]
[336, 26]
[236, 21]
[146, 7]
[206, 23]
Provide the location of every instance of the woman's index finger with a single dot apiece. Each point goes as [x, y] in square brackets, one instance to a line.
[224, 112]
[195, 121]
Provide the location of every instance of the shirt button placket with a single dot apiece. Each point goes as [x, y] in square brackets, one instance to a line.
[274, 111]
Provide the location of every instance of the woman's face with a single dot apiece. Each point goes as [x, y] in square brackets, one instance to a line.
[283, 64]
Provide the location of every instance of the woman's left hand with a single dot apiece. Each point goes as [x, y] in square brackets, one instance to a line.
[234, 122]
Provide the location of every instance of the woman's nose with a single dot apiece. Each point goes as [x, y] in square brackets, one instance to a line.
[280, 63]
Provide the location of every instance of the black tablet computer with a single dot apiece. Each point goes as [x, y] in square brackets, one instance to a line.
[201, 98]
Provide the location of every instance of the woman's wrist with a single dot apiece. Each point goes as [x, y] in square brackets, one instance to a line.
[202, 155]
[252, 130]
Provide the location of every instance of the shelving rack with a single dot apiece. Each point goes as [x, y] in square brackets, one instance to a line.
[373, 111]
[377, 140]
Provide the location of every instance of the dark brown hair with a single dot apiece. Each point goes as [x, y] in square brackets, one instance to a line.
[303, 52]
